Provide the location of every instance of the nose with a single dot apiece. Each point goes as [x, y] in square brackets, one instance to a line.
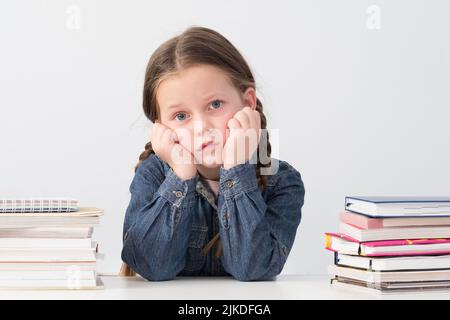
[203, 126]
[203, 131]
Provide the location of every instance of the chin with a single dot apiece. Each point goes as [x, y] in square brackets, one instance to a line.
[210, 164]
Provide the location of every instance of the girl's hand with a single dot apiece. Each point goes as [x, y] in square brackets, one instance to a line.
[243, 139]
[166, 145]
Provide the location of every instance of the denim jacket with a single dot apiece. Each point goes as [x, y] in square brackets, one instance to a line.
[168, 221]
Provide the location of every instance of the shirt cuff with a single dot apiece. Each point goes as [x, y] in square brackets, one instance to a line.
[176, 190]
[238, 179]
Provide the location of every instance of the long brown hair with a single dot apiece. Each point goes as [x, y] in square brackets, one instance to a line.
[196, 46]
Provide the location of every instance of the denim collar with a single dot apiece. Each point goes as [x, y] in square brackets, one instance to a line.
[206, 193]
[201, 187]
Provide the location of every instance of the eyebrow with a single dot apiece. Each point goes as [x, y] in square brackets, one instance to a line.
[173, 106]
[205, 97]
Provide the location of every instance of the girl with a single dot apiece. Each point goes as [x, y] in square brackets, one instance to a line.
[199, 205]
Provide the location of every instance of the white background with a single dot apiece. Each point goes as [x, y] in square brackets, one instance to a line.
[361, 99]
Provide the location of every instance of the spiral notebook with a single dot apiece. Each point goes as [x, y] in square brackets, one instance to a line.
[28, 205]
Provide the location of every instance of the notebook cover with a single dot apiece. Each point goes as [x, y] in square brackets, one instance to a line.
[387, 243]
[399, 199]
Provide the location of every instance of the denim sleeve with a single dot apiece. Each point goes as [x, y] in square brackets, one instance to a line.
[257, 234]
[157, 223]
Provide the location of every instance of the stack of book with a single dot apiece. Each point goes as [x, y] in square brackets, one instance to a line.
[392, 244]
[47, 244]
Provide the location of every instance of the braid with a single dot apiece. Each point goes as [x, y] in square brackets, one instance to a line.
[264, 139]
[145, 154]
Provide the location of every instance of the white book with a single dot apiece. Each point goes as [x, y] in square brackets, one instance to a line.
[69, 274]
[55, 255]
[391, 288]
[394, 263]
[388, 276]
[49, 243]
[26, 221]
[59, 284]
[393, 233]
[47, 232]
[48, 266]
[48, 223]
[82, 212]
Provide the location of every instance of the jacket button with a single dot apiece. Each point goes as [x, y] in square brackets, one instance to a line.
[178, 194]
[229, 183]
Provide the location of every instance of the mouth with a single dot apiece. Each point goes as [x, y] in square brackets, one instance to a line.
[206, 144]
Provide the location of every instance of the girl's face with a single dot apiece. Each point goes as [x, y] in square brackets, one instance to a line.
[197, 103]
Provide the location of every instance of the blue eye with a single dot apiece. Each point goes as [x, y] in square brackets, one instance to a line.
[216, 104]
[183, 116]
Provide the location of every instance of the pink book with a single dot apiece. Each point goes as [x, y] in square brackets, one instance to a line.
[338, 242]
[365, 222]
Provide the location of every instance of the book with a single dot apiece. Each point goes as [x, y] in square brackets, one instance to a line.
[82, 212]
[47, 255]
[399, 206]
[29, 222]
[46, 232]
[84, 217]
[16, 205]
[391, 288]
[389, 276]
[393, 263]
[344, 244]
[52, 284]
[68, 274]
[364, 235]
[48, 243]
[48, 266]
[365, 222]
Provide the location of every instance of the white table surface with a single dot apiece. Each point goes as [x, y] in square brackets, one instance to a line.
[286, 287]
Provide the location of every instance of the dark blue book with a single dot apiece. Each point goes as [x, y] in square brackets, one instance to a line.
[389, 207]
